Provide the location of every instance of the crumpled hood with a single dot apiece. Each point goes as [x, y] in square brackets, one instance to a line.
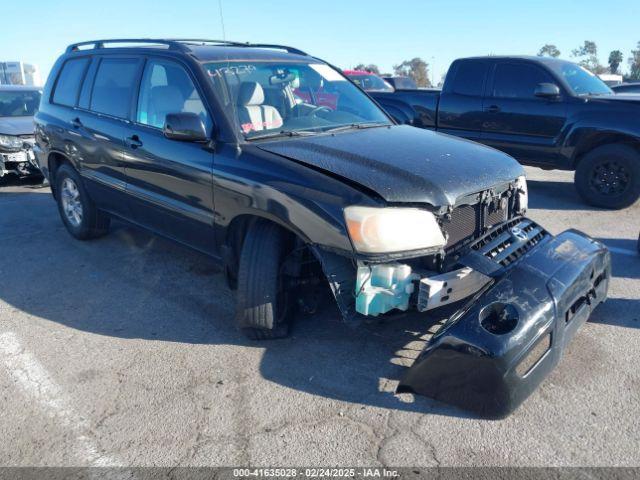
[404, 164]
[16, 126]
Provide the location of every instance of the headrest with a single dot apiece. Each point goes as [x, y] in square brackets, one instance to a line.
[250, 93]
[167, 98]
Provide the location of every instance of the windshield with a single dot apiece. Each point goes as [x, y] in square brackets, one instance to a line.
[273, 99]
[580, 80]
[371, 83]
[19, 103]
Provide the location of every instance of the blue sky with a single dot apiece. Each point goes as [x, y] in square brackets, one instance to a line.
[343, 32]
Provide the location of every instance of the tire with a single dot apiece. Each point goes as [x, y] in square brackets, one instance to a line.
[609, 176]
[263, 307]
[79, 214]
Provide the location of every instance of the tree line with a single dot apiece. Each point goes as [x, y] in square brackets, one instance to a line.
[416, 68]
[586, 55]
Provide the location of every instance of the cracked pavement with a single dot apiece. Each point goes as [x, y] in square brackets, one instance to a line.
[137, 334]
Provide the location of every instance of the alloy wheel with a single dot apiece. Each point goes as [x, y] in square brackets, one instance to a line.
[71, 205]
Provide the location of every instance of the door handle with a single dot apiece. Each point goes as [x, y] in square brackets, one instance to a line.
[493, 109]
[133, 142]
[76, 123]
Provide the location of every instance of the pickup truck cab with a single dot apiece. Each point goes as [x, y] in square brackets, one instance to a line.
[545, 112]
[225, 148]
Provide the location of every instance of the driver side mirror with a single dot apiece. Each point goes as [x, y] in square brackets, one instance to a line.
[547, 90]
[184, 126]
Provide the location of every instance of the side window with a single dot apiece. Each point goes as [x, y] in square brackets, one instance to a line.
[69, 80]
[167, 88]
[517, 80]
[113, 86]
[469, 78]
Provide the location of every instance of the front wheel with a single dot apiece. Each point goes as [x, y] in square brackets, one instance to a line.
[263, 305]
[79, 214]
[609, 176]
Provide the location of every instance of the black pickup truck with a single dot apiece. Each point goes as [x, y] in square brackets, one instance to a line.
[545, 112]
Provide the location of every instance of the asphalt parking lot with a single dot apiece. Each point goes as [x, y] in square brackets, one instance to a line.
[122, 351]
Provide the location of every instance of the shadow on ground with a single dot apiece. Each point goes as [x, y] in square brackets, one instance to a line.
[625, 257]
[34, 181]
[625, 263]
[618, 312]
[133, 285]
[553, 195]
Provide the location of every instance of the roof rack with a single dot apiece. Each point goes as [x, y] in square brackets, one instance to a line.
[177, 44]
[181, 44]
[277, 47]
[95, 44]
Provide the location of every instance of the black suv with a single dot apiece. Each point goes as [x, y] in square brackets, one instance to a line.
[274, 163]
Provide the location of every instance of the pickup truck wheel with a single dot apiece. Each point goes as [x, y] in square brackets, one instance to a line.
[609, 176]
[79, 214]
[263, 304]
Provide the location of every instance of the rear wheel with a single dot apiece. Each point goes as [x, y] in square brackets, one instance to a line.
[78, 212]
[609, 176]
[263, 301]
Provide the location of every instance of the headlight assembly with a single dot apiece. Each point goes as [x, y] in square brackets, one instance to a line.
[389, 230]
[9, 141]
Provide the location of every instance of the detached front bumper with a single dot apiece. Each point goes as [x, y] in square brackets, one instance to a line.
[493, 353]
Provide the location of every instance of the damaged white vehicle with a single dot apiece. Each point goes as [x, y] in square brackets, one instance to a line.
[18, 104]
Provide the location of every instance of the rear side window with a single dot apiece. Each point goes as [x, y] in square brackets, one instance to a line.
[69, 80]
[513, 80]
[113, 86]
[469, 78]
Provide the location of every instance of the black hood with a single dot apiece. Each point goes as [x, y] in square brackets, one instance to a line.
[404, 164]
[16, 126]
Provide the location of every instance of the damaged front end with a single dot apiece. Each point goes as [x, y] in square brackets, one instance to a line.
[526, 291]
[18, 158]
[496, 350]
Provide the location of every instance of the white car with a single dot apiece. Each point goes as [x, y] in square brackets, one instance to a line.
[18, 104]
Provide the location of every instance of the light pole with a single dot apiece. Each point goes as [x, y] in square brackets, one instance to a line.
[433, 69]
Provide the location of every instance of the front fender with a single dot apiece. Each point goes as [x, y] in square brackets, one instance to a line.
[303, 200]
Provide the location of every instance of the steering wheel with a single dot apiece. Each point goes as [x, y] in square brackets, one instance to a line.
[317, 110]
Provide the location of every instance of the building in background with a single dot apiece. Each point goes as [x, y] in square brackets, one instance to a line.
[19, 73]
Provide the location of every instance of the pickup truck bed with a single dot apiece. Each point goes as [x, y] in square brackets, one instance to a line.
[412, 107]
